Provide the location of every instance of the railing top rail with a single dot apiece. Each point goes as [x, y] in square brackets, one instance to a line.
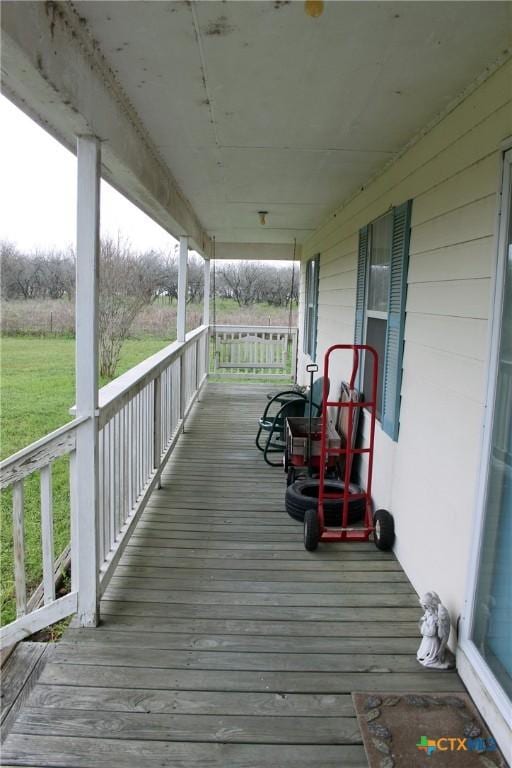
[147, 370]
[255, 328]
[31, 458]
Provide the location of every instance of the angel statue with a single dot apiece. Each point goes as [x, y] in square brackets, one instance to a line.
[435, 627]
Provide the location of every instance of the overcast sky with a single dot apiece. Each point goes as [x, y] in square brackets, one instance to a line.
[38, 192]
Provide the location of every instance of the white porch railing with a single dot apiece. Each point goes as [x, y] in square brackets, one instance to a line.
[141, 415]
[38, 457]
[254, 350]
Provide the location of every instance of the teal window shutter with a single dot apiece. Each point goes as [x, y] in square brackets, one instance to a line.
[362, 261]
[311, 306]
[392, 377]
[316, 287]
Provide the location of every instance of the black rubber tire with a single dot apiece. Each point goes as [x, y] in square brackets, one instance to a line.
[290, 476]
[303, 495]
[311, 530]
[384, 534]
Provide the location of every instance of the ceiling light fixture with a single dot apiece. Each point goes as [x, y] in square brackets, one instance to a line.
[263, 217]
[314, 8]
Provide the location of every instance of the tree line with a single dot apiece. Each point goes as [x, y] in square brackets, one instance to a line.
[50, 274]
[131, 280]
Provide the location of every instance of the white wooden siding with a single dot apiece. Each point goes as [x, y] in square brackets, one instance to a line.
[428, 478]
[464, 336]
[455, 262]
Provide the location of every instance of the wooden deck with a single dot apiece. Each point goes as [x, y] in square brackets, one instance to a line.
[224, 644]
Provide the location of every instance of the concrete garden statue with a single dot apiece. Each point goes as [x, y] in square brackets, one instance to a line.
[435, 628]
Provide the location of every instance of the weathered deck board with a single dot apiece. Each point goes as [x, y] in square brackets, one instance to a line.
[223, 643]
[16, 674]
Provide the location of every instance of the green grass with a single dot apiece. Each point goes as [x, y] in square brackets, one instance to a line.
[37, 388]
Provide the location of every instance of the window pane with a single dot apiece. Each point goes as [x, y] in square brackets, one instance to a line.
[380, 263]
[492, 631]
[375, 337]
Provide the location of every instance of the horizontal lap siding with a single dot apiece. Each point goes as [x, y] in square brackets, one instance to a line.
[428, 478]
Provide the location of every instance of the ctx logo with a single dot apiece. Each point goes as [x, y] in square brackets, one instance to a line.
[454, 744]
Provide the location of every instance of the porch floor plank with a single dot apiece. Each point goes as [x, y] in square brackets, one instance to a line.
[222, 641]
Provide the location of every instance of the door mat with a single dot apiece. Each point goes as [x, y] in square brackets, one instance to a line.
[406, 730]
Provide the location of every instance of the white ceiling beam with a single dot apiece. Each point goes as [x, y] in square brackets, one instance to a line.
[257, 251]
[54, 71]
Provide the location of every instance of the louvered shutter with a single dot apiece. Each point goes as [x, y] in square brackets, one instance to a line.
[307, 321]
[362, 261]
[311, 306]
[314, 329]
[392, 377]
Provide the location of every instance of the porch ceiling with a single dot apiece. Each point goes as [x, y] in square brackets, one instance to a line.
[256, 106]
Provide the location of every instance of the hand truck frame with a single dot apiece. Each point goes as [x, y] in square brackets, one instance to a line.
[380, 524]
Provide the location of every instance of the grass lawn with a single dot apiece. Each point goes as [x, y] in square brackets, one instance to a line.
[37, 386]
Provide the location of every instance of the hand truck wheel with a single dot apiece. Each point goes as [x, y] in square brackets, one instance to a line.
[311, 530]
[384, 533]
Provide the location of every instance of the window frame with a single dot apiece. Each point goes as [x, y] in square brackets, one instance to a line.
[311, 306]
[392, 359]
[374, 313]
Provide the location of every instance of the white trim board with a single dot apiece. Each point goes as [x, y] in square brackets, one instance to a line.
[483, 686]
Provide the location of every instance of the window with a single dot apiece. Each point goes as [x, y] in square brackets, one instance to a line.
[311, 306]
[380, 306]
[492, 617]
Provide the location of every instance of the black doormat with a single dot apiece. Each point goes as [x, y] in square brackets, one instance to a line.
[420, 730]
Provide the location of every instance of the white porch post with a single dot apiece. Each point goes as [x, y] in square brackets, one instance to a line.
[206, 293]
[181, 328]
[87, 264]
[206, 312]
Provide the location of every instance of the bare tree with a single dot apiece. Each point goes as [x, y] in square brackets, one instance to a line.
[38, 275]
[57, 272]
[242, 281]
[250, 282]
[21, 276]
[127, 284]
[195, 279]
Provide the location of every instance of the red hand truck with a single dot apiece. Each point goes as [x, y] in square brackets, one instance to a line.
[380, 524]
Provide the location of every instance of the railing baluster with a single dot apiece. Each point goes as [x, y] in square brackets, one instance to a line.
[153, 461]
[111, 473]
[101, 494]
[122, 477]
[18, 530]
[147, 429]
[133, 494]
[106, 487]
[139, 441]
[128, 440]
[143, 428]
[166, 405]
[47, 534]
[74, 520]
[171, 402]
[184, 384]
[116, 475]
[126, 469]
[142, 438]
[196, 361]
